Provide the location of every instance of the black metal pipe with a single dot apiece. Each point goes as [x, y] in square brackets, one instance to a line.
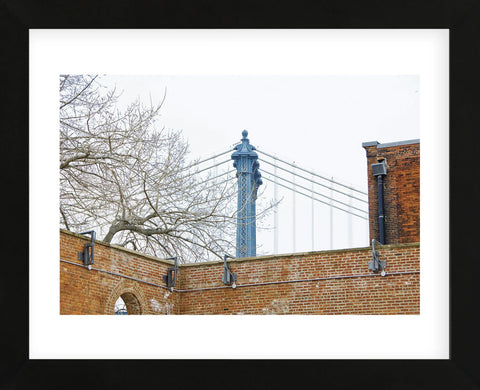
[381, 215]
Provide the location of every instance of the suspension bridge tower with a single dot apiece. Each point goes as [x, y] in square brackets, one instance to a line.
[249, 179]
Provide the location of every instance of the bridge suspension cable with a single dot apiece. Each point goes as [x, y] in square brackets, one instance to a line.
[314, 192]
[207, 159]
[311, 197]
[216, 185]
[347, 196]
[207, 168]
[312, 173]
[313, 181]
[216, 177]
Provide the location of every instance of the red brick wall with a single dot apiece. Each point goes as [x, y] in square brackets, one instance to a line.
[95, 291]
[328, 282]
[401, 190]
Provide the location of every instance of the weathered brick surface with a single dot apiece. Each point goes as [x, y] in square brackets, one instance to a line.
[95, 291]
[401, 192]
[327, 282]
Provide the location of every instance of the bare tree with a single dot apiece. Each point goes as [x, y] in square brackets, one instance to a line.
[122, 176]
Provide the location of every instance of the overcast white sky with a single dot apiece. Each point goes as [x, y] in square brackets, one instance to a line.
[318, 122]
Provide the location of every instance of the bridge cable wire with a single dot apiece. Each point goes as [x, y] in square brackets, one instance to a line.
[317, 193]
[313, 173]
[207, 168]
[207, 159]
[318, 200]
[225, 161]
[295, 166]
[216, 177]
[218, 184]
[313, 181]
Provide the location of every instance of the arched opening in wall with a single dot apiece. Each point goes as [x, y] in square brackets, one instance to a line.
[120, 307]
[127, 303]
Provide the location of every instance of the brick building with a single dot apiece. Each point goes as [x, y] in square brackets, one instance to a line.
[322, 282]
[401, 190]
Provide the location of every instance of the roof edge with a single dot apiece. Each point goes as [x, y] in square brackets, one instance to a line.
[399, 143]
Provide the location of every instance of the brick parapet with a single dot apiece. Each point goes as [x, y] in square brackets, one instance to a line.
[115, 271]
[326, 282]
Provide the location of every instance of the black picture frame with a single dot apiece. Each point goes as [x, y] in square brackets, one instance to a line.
[461, 17]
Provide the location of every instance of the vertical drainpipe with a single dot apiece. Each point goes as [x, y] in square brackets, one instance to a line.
[380, 170]
[381, 215]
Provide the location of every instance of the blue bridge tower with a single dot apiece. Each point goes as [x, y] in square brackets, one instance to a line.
[249, 179]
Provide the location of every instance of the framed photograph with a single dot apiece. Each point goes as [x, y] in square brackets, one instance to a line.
[415, 350]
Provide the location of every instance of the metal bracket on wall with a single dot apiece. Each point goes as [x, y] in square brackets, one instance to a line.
[170, 279]
[228, 277]
[87, 255]
[376, 264]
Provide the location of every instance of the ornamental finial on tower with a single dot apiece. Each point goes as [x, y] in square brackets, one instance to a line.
[244, 148]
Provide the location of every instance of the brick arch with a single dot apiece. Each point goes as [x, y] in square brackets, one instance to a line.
[131, 294]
